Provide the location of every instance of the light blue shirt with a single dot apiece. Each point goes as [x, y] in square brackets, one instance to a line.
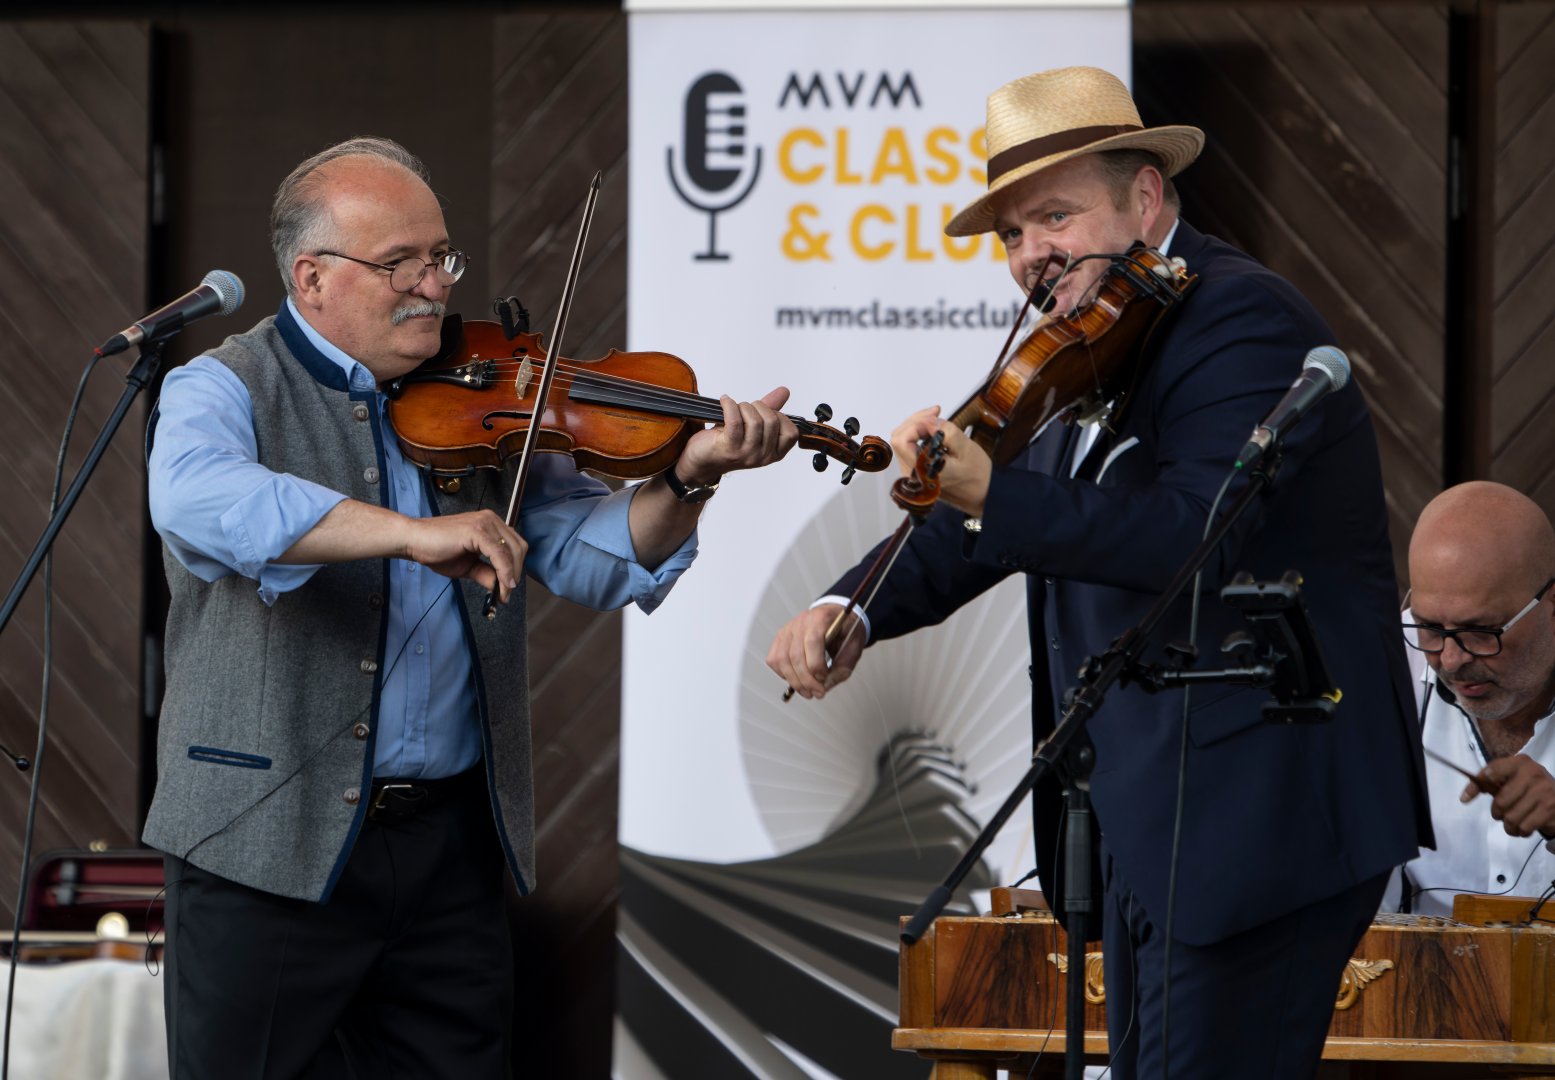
[221, 512]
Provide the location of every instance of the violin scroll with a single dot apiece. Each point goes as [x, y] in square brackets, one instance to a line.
[918, 493]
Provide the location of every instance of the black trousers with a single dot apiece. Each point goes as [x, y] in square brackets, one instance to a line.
[1255, 1005]
[406, 972]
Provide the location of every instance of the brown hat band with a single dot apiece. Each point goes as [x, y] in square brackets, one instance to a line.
[1057, 143]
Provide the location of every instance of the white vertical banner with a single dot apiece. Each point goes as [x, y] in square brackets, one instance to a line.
[791, 172]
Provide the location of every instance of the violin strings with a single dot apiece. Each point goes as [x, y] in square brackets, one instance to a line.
[668, 395]
[647, 396]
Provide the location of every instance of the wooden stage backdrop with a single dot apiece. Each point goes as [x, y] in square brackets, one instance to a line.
[1393, 159]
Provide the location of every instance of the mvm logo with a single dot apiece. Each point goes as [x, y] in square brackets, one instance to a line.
[850, 93]
[713, 153]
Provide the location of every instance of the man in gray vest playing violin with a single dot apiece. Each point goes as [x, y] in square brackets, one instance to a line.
[344, 764]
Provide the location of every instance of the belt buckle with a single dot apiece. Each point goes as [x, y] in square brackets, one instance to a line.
[379, 805]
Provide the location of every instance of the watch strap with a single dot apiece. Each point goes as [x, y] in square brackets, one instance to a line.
[693, 493]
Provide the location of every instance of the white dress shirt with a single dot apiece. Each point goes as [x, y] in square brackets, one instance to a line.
[1473, 852]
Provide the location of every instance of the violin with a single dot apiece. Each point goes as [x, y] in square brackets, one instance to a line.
[627, 414]
[1082, 366]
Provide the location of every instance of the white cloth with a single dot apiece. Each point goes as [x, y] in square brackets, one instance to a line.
[87, 1020]
[1473, 852]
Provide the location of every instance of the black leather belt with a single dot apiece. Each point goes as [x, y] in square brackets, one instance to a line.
[395, 800]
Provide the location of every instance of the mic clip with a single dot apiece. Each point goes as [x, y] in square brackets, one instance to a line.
[514, 315]
[1276, 649]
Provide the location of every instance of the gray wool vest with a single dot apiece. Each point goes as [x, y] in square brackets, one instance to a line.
[265, 749]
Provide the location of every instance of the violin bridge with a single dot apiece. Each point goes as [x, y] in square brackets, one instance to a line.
[526, 375]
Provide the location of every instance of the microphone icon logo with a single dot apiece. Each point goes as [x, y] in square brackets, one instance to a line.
[713, 158]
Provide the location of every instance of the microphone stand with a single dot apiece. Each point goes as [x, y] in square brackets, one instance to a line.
[1062, 753]
[139, 377]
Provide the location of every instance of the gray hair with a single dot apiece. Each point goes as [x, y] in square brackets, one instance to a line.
[299, 220]
[1119, 167]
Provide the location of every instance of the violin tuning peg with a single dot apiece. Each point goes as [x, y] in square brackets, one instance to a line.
[847, 474]
[850, 425]
[819, 461]
[823, 412]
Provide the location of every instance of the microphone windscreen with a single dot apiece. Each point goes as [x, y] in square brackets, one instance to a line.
[1332, 361]
[229, 287]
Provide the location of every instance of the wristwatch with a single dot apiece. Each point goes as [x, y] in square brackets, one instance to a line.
[692, 493]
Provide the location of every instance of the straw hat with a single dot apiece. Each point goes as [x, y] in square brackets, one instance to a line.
[1052, 116]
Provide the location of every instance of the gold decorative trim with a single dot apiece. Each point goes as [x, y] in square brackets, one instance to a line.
[1095, 984]
[1357, 974]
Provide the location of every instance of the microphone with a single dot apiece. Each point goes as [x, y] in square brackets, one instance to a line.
[1326, 369]
[219, 292]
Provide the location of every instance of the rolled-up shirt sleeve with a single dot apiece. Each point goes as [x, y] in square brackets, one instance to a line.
[218, 509]
[580, 541]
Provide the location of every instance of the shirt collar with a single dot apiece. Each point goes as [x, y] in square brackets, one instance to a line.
[357, 376]
[1166, 245]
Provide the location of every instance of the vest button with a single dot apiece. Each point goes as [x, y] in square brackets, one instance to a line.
[360, 731]
[449, 485]
[359, 411]
[369, 666]
[352, 796]
[370, 474]
[375, 601]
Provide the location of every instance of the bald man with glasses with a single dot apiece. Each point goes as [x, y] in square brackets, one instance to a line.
[1480, 623]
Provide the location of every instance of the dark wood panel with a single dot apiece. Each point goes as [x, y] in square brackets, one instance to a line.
[74, 101]
[1523, 378]
[1326, 160]
[559, 114]
[572, 123]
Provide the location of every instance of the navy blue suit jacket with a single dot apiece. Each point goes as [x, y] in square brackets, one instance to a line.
[1276, 817]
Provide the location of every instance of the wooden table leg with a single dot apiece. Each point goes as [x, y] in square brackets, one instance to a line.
[964, 1070]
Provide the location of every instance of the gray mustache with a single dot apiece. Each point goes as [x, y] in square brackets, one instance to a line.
[421, 307]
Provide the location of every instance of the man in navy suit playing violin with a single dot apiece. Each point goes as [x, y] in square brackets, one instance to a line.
[1287, 833]
[344, 765]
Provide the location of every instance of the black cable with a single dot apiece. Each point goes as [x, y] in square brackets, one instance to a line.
[1182, 776]
[1532, 851]
[1027, 876]
[1538, 905]
[1052, 1019]
[1133, 1005]
[43, 715]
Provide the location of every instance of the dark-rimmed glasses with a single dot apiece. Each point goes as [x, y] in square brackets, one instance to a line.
[405, 274]
[1474, 640]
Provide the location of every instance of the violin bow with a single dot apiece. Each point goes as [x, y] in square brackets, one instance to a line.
[553, 354]
[875, 576]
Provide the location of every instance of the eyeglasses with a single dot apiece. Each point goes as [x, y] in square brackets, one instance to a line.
[1474, 640]
[405, 274]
